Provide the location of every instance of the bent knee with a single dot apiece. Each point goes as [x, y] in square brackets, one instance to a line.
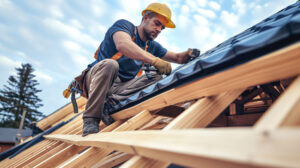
[108, 64]
[111, 63]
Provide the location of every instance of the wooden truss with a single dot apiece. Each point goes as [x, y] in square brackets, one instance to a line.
[173, 126]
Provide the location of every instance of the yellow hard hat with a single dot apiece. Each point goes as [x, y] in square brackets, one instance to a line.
[163, 10]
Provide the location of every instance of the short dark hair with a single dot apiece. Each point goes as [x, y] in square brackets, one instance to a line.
[150, 14]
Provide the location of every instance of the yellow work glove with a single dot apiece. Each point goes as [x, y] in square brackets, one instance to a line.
[162, 66]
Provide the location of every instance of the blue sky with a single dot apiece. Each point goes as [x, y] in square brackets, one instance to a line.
[59, 37]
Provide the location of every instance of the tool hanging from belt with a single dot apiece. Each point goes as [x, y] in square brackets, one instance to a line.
[74, 87]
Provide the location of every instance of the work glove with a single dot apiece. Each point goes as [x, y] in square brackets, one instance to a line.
[162, 66]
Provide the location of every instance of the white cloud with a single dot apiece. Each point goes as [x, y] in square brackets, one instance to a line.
[230, 19]
[56, 12]
[71, 32]
[214, 5]
[202, 3]
[21, 54]
[8, 63]
[76, 53]
[185, 9]
[218, 36]
[191, 3]
[76, 23]
[43, 76]
[27, 59]
[10, 11]
[264, 10]
[27, 34]
[207, 13]
[165, 42]
[99, 7]
[202, 21]
[201, 35]
[130, 10]
[183, 22]
[240, 7]
[70, 45]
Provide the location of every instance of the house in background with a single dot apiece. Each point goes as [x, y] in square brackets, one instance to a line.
[8, 137]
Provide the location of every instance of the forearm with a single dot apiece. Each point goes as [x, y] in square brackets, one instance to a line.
[178, 58]
[127, 47]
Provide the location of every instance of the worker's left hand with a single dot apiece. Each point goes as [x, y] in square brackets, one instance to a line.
[189, 54]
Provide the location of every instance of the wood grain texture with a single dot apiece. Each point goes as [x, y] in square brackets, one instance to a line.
[277, 65]
[285, 111]
[205, 147]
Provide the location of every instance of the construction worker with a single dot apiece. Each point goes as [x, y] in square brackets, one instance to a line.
[120, 56]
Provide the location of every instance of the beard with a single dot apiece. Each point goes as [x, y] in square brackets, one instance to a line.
[148, 35]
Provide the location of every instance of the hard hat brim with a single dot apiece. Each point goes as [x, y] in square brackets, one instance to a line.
[170, 23]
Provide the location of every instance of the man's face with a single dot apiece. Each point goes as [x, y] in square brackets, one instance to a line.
[154, 26]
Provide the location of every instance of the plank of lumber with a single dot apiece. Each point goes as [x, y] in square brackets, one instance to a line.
[26, 154]
[139, 161]
[206, 147]
[114, 161]
[55, 151]
[285, 111]
[277, 65]
[60, 156]
[92, 154]
[45, 156]
[58, 115]
[198, 115]
[204, 111]
[87, 158]
[38, 149]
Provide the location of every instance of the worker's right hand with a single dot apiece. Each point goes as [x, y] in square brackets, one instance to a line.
[162, 66]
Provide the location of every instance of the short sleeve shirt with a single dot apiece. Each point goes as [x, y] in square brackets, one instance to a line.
[128, 68]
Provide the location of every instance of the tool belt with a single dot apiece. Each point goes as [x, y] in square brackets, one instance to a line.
[77, 86]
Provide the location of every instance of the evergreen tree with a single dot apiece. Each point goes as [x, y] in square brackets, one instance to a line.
[20, 93]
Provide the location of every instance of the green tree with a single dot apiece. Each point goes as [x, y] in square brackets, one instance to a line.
[20, 93]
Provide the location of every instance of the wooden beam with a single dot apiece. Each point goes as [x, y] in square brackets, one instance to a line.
[198, 115]
[87, 158]
[139, 161]
[92, 154]
[204, 111]
[277, 65]
[206, 147]
[26, 154]
[271, 91]
[114, 161]
[41, 158]
[285, 111]
[60, 156]
[58, 115]
[136, 122]
[39, 149]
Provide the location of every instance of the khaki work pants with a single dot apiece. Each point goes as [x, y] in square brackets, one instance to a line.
[103, 84]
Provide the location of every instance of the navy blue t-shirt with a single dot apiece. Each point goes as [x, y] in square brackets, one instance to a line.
[128, 68]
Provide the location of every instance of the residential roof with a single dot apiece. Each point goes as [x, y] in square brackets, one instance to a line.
[10, 134]
[269, 35]
[216, 81]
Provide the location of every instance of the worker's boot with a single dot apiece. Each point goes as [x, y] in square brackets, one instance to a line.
[106, 118]
[90, 126]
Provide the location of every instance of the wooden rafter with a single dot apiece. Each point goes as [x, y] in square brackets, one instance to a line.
[285, 111]
[199, 115]
[274, 66]
[209, 147]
